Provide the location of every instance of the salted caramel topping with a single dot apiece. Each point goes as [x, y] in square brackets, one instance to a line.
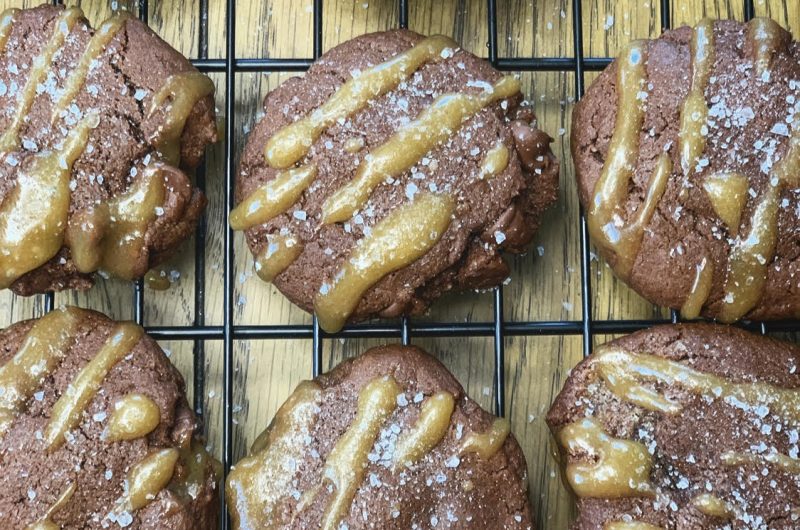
[409, 144]
[625, 374]
[157, 280]
[606, 211]
[701, 287]
[347, 461]
[293, 142]
[610, 467]
[130, 214]
[177, 97]
[766, 36]
[84, 234]
[713, 506]
[728, 195]
[694, 112]
[97, 45]
[401, 238]
[134, 416]
[279, 252]
[785, 463]
[40, 353]
[258, 482]
[46, 522]
[194, 464]
[630, 525]
[495, 161]
[147, 478]
[354, 145]
[272, 198]
[487, 444]
[427, 432]
[67, 411]
[6, 25]
[33, 217]
[9, 141]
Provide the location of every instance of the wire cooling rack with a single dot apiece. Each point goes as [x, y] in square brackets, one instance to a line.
[498, 327]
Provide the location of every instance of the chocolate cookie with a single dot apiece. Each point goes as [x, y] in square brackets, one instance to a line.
[95, 123]
[686, 151]
[387, 440]
[685, 426]
[397, 169]
[95, 430]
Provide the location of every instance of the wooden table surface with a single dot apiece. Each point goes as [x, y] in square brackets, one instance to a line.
[545, 284]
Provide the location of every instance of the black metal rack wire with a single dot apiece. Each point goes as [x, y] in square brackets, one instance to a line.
[499, 329]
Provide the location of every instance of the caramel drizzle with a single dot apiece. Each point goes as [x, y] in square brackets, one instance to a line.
[605, 218]
[42, 350]
[429, 430]
[614, 468]
[402, 237]
[346, 465]
[409, 144]
[694, 112]
[728, 195]
[46, 522]
[97, 45]
[6, 25]
[9, 141]
[785, 463]
[33, 216]
[67, 411]
[257, 483]
[272, 198]
[487, 444]
[146, 479]
[766, 36]
[134, 416]
[625, 373]
[713, 506]
[279, 252]
[294, 141]
[701, 287]
[495, 161]
[182, 91]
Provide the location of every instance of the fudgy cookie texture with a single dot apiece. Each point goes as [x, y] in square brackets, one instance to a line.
[687, 151]
[96, 432]
[386, 440]
[399, 167]
[95, 124]
[683, 427]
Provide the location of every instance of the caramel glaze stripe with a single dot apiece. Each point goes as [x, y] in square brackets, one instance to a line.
[728, 195]
[409, 144]
[39, 355]
[694, 111]
[753, 253]
[279, 252]
[257, 484]
[605, 222]
[134, 416]
[495, 161]
[402, 237]
[33, 217]
[713, 506]
[46, 522]
[182, 91]
[487, 444]
[146, 479]
[613, 468]
[783, 462]
[346, 464]
[293, 142]
[767, 37]
[6, 25]
[701, 287]
[625, 373]
[9, 141]
[430, 428]
[67, 411]
[272, 198]
[97, 45]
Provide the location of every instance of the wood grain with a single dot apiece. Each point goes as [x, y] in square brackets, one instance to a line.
[545, 283]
